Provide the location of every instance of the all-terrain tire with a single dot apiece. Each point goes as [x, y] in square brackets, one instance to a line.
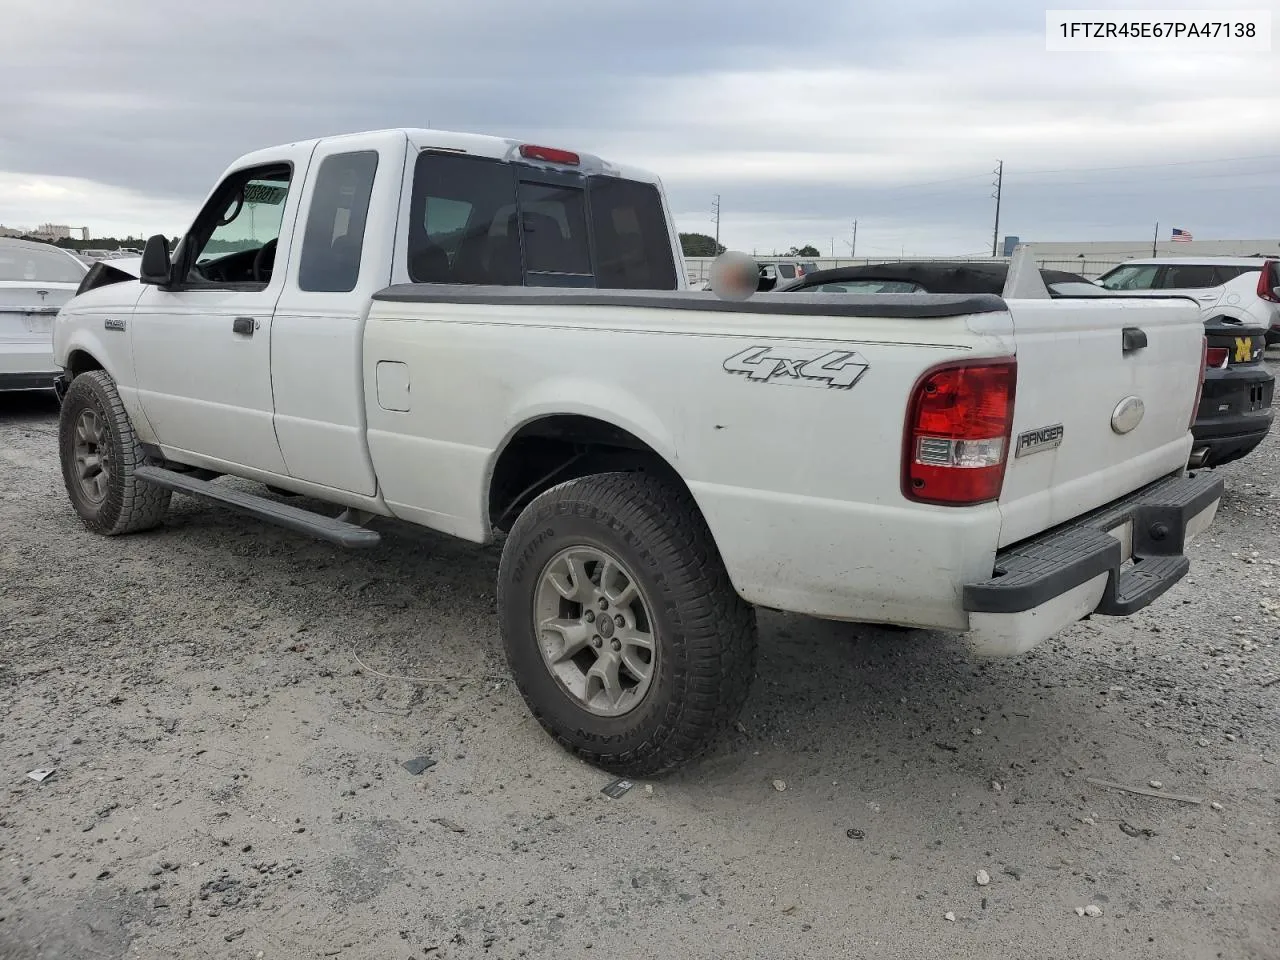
[704, 633]
[126, 504]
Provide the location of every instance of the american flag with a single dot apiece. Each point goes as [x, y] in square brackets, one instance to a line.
[1181, 235]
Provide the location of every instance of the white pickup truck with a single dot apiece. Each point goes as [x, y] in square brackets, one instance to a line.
[492, 338]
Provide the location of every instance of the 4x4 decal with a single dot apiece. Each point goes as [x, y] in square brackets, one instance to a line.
[800, 366]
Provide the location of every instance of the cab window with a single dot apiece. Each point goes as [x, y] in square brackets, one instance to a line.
[334, 238]
[235, 237]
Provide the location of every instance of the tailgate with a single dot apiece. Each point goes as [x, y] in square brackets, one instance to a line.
[1103, 407]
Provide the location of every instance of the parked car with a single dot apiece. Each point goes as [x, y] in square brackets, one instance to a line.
[1246, 289]
[774, 273]
[659, 460]
[1235, 410]
[1239, 300]
[35, 280]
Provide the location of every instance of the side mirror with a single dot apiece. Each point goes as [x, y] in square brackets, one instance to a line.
[156, 268]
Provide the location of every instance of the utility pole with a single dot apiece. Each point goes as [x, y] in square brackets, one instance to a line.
[715, 209]
[853, 246]
[999, 185]
[1155, 237]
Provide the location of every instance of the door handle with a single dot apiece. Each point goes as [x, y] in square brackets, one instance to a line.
[1132, 338]
[244, 325]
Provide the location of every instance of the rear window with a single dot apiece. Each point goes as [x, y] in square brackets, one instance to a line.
[629, 231]
[18, 261]
[554, 223]
[482, 221]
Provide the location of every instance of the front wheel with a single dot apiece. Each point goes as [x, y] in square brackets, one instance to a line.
[622, 630]
[99, 453]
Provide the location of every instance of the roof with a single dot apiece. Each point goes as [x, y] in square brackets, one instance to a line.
[39, 245]
[1199, 261]
[475, 144]
[934, 276]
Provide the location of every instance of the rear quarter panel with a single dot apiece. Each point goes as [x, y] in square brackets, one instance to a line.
[799, 480]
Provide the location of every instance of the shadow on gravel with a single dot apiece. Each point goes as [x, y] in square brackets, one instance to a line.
[28, 405]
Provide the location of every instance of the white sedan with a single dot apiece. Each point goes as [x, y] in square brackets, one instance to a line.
[35, 280]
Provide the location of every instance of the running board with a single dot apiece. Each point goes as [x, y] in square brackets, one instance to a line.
[281, 514]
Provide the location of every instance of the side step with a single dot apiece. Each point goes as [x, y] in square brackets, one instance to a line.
[281, 514]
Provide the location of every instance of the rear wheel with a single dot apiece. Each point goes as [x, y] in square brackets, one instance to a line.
[99, 453]
[622, 630]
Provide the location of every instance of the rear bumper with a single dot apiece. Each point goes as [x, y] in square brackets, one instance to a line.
[1235, 414]
[26, 365]
[1044, 584]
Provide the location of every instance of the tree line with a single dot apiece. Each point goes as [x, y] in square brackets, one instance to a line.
[701, 245]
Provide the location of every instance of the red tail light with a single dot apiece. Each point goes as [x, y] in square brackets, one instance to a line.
[1204, 363]
[957, 435]
[1269, 282]
[1215, 358]
[549, 154]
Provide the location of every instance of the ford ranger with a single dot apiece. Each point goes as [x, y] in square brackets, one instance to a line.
[494, 339]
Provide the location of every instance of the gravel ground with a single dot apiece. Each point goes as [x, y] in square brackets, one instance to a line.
[228, 706]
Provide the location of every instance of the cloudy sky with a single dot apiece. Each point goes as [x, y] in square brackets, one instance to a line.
[119, 115]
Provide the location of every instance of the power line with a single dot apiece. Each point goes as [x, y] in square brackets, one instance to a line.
[1144, 166]
[1134, 166]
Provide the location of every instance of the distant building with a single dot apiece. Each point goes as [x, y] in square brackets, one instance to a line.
[52, 232]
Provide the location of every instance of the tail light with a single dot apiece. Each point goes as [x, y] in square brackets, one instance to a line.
[549, 155]
[1204, 363]
[956, 441]
[1215, 358]
[1269, 282]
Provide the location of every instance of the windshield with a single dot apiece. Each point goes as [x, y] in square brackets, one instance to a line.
[867, 286]
[1138, 276]
[31, 263]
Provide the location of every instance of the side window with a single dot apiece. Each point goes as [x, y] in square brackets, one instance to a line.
[554, 224]
[1225, 274]
[463, 221]
[629, 229]
[235, 236]
[787, 271]
[1139, 276]
[334, 236]
[1189, 277]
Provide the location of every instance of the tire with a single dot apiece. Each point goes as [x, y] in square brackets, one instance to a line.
[703, 635]
[111, 501]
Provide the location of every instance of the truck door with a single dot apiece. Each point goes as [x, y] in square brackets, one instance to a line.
[318, 330]
[202, 347]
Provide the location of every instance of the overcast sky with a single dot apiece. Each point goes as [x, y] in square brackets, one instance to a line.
[119, 115]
